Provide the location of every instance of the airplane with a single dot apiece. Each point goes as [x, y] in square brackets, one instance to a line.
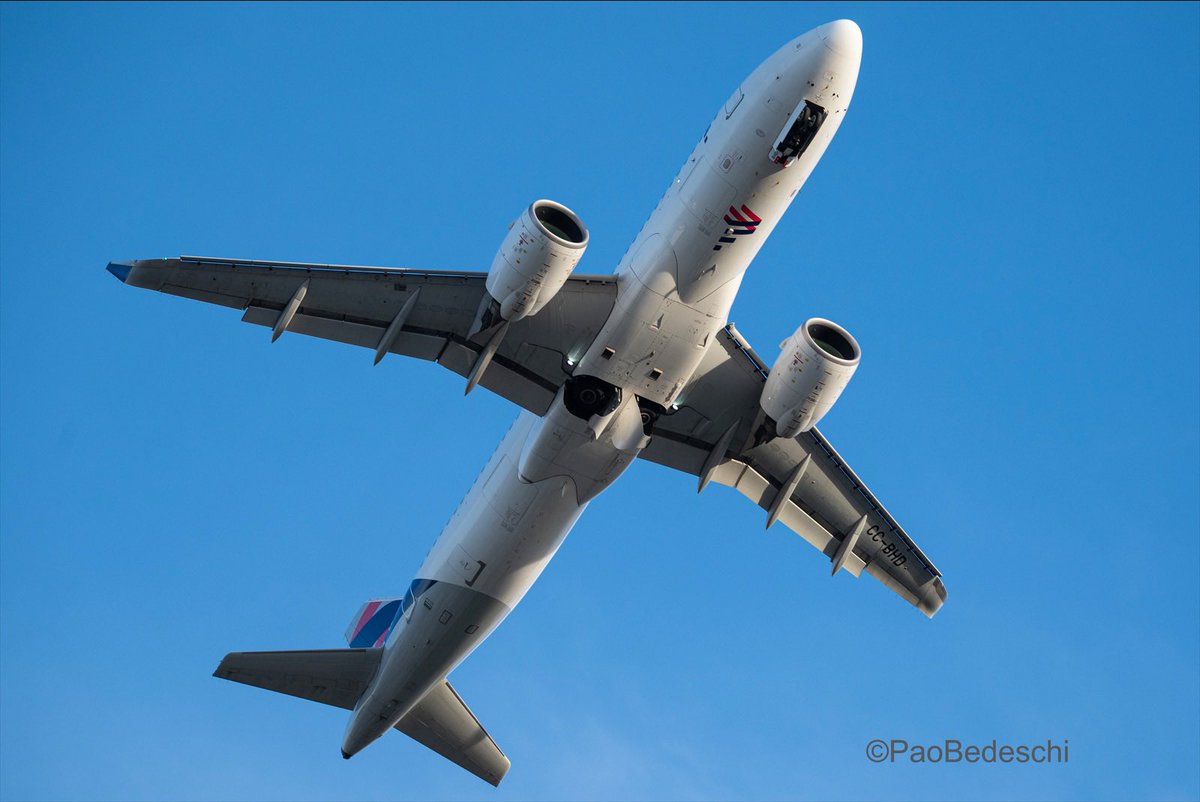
[641, 363]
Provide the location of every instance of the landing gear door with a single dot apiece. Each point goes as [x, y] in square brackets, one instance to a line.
[798, 133]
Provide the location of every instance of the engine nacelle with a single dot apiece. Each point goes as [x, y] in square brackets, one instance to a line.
[542, 248]
[814, 366]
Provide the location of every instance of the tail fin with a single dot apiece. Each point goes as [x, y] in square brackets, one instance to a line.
[373, 621]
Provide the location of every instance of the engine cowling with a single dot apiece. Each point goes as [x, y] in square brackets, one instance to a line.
[814, 366]
[541, 249]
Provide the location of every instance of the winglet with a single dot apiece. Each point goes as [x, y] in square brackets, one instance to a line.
[120, 270]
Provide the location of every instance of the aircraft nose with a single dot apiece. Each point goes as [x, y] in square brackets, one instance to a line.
[843, 37]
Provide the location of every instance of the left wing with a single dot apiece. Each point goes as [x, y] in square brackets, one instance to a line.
[802, 482]
[426, 314]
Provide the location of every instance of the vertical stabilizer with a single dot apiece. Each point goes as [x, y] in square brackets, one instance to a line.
[372, 623]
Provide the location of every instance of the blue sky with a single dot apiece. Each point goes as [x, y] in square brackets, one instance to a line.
[1007, 222]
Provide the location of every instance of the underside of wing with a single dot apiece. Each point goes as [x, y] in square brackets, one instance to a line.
[801, 482]
[420, 313]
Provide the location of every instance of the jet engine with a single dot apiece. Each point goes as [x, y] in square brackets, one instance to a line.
[541, 249]
[814, 366]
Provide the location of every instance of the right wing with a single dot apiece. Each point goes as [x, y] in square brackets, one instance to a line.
[441, 720]
[712, 435]
[359, 305]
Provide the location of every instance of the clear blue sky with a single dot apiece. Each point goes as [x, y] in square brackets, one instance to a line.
[1007, 221]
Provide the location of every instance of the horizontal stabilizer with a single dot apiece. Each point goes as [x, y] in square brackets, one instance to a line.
[443, 722]
[335, 677]
[338, 677]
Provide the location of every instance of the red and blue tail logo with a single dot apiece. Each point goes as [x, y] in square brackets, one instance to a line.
[372, 623]
[741, 223]
[375, 620]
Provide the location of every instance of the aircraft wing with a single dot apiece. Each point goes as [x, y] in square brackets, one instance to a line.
[711, 435]
[370, 307]
[338, 677]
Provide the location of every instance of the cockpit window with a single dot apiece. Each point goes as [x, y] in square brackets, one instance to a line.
[799, 135]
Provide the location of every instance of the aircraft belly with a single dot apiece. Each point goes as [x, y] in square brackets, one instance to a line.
[495, 546]
[680, 282]
[674, 294]
[508, 527]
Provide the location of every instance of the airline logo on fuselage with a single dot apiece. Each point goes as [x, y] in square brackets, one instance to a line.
[740, 224]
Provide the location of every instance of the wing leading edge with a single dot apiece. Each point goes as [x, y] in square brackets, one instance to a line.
[802, 482]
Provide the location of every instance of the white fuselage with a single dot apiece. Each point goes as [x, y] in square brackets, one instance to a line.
[676, 285]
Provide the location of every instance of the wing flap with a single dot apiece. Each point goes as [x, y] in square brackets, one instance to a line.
[758, 489]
